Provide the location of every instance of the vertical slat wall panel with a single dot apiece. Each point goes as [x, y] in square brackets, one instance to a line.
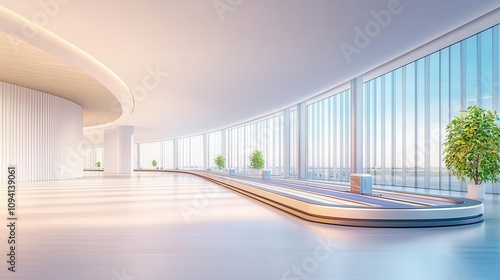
[40, 134]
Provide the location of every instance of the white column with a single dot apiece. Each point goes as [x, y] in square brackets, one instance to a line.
[206, 152]
[286, 143]
[496, 83]
[302, 141]
[176, 154]
[118, 146]
[357, 125]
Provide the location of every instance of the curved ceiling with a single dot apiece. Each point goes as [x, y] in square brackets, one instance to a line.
[32, 57]
[200, 65]
[30, 67]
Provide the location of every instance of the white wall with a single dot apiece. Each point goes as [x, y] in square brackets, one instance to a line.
[40, 134]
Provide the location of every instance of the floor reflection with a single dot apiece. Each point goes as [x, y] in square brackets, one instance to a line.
[177, 226]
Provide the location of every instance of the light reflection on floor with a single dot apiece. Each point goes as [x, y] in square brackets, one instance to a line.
[176, 226]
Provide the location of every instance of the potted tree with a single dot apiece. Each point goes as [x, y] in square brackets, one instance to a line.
[154, 163]
[257, 163]
[220, 162]
[472, 149]
[98, 165]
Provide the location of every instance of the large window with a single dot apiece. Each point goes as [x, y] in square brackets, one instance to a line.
[191, 153]
[407, 110]
[328, 138]
[161, 151]
[214, 146]
[293, 144]
[92, 156]
[265, 136]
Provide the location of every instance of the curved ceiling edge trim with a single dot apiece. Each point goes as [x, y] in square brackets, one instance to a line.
[37, 36]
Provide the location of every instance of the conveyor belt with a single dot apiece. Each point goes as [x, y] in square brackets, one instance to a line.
[396, 201]
[409, 198]
[334, 204]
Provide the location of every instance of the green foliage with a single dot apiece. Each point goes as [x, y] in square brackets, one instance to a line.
[220, 161]
[154, 163]
[472, 146]
[98, 164]
[256, 160]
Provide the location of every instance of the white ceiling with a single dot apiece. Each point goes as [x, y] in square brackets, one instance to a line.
[258, 57]
[30, 67]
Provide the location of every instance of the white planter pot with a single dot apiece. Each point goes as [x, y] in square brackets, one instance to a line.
[475, 191]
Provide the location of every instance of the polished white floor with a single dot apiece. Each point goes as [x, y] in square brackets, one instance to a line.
[175, 226]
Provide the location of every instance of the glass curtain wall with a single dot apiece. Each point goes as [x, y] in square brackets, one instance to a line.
[328, 138]
[265, 136]
[92, 156]
[191, 152]
[214, 148]
[407, 110]
[161, 151]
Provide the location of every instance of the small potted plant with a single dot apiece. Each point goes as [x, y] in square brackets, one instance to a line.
[98, 165]
[154, 163]
[472, 149]
[220, 162]
[257, 163]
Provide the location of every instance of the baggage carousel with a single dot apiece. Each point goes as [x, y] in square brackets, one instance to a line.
[335, 204]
